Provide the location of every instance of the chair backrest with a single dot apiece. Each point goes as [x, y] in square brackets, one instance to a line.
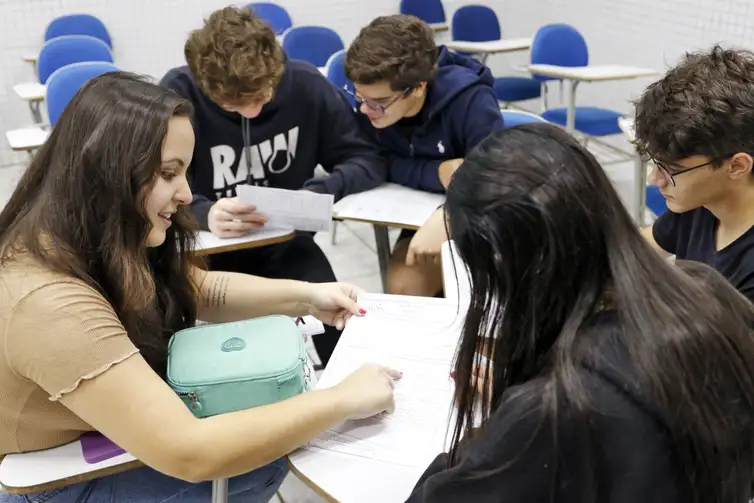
[273, 14]
[62, 51]
[78, 24]
[429, 11]
[66, 81]
[337, 76]
[314, 44]
[516, 117]
[475, 23]
[558, 44]
[656, 202]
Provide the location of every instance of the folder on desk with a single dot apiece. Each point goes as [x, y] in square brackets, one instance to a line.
[97, 448]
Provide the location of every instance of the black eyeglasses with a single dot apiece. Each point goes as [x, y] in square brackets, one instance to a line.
[670, 173]
[380, 108]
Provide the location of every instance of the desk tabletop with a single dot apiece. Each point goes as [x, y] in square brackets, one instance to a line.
[58, 467]
[30, 91]
[208, 244]
[26, 138]
[491, 46]
[626, 124]
[390, 205]
[592, 73]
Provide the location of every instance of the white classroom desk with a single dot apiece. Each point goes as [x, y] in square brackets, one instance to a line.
[389, 205]
[438, 27]
[34, 94]
[626, 125]
[62, 466]
[592, 73]
[27, 139]
[209, 244]
[491, 46]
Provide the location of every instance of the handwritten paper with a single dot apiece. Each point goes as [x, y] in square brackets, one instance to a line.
[417, 336]
[291, 209]
[390, 203]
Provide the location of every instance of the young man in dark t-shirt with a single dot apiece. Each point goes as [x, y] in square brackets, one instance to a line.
[697, 125]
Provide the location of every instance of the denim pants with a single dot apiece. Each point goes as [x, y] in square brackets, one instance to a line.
[144, 485]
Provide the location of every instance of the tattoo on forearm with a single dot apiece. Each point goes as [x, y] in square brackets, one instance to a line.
[218, 289]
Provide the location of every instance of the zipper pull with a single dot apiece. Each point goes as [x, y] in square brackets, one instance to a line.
[411, 149]
[195, 405]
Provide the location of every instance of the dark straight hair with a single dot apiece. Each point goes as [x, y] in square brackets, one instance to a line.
[79, 208]
[546, 236]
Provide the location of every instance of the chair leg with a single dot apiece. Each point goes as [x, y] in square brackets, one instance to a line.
[280, 497]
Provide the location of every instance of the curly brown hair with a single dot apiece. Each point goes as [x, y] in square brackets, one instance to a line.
[398, 49]
[703, 106]
[235, 57]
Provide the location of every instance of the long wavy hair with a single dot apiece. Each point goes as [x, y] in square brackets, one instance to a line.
[549, 244]
[79, 208]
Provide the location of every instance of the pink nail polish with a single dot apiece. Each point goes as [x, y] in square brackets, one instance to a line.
[452, 375]
[363, 311]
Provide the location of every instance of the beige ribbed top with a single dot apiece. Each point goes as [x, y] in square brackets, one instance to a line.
[55, 331]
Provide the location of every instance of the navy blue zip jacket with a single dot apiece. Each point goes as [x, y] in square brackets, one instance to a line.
[461, 110]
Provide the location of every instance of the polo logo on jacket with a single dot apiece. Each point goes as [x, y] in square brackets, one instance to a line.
[269, 156]
[440, 147]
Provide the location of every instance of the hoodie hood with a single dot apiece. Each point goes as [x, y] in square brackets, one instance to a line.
[455, 74]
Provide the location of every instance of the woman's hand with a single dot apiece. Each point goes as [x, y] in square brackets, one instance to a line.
[333, 303]
[369, 391]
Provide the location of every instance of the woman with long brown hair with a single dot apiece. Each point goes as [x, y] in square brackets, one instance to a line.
[96, 275]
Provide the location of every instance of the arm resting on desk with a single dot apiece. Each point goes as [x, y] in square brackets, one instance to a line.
[132, 406]
[228, 296]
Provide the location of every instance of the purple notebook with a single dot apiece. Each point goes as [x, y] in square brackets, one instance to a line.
[97, 448]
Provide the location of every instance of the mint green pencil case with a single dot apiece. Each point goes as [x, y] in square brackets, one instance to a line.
[226, 367]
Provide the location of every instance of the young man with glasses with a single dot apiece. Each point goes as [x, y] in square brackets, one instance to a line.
[697, 125]
[263, 119]
[426, 107]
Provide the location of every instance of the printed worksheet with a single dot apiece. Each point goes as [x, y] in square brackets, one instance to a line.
[417, 336]
[390, 203]
[290, 209]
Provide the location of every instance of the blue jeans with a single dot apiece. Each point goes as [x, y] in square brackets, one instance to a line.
[144, 485]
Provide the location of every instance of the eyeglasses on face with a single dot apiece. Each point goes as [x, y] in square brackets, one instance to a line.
[379, 109]
[670, 171]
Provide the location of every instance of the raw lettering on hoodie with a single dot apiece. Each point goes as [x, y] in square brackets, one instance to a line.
[268, 156]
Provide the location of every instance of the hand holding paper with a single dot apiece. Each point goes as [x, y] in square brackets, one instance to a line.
[292, 209]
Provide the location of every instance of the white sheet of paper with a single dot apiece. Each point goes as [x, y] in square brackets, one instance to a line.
[292, 209]
[417, 336]
[205, 240]
[390, 203]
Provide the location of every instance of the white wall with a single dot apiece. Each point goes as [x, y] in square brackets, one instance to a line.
[148, 35]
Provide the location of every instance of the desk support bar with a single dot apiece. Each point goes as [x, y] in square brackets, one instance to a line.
[382, 240]
[220, 491]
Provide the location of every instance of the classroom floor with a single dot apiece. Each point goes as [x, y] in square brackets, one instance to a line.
[354, 260]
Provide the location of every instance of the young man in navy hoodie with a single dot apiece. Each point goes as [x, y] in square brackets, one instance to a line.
[427, 108]
[263, 119]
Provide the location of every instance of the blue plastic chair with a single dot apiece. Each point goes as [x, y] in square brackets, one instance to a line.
[336, 74]
[429, 11]
[314, 44]
[517, 117]
[67, 80]
[563, 45]
[274, 15]
[478, 23]
[62, 51]
[78, 24]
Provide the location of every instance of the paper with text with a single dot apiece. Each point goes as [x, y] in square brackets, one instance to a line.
[390, 203]
[291, 209]
[417, 336]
